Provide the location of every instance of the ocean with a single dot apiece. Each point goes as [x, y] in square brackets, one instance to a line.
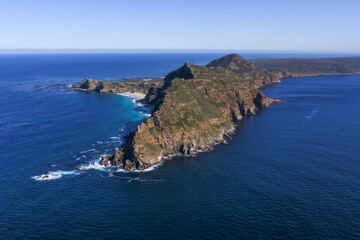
[292, 171]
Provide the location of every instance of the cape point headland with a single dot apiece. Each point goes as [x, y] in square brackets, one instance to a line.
[196, 107]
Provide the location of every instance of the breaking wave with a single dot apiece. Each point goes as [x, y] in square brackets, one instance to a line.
[52, 175]
[94, 165]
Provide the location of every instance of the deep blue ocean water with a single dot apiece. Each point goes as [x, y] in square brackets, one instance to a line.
[291, 171]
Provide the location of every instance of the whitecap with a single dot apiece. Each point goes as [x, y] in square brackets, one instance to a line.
[312, 113]
[82, 156]
[139, 171]
[144, 180]
[90, 150]
[52, 175]
[115, 139]
[94, 165]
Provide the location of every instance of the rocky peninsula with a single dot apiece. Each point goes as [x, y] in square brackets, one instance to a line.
[195, 108]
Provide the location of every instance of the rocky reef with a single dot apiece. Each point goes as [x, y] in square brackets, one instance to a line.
[196, 108]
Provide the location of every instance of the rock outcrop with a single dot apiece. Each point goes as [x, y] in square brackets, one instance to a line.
[116, 159]
[139, 85]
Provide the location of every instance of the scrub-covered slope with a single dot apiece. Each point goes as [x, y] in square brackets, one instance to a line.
[297, 67]
[197, 107]
[245, 69]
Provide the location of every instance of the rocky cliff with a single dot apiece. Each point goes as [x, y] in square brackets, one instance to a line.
[196, 108]
[139, 85]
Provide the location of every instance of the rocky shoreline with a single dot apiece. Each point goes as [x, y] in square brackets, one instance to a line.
[195, 108]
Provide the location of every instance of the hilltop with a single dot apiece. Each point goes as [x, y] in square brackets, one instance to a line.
[245, 69]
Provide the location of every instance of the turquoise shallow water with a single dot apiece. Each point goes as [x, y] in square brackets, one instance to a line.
[291, 171]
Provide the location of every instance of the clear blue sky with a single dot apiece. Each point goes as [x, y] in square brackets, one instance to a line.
[291, 25]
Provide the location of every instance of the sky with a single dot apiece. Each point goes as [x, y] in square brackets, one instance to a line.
[254, 25]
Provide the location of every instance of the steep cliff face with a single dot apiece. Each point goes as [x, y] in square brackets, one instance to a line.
[246, 70]
[197, 107]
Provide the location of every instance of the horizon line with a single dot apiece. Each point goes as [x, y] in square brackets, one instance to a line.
[155, 50]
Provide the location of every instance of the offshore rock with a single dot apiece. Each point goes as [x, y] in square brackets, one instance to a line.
[105, 160]
[115, 159]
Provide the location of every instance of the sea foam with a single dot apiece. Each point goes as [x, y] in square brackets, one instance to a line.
[52, 175]
[140, 171]
[94, 165]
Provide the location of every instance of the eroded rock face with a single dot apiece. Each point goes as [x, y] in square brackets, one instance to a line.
[105, 160]
[116, 159]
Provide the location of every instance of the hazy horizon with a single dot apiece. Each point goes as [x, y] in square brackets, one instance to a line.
[104, 50]
[306, 26]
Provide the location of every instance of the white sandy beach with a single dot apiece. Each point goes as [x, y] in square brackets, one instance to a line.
[135, 94]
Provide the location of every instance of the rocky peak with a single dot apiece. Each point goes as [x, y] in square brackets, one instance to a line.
[184, 72]
[228, 61]
[248, 71]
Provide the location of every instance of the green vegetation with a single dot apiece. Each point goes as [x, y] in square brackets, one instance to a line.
[311, 66]
[197, 106]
